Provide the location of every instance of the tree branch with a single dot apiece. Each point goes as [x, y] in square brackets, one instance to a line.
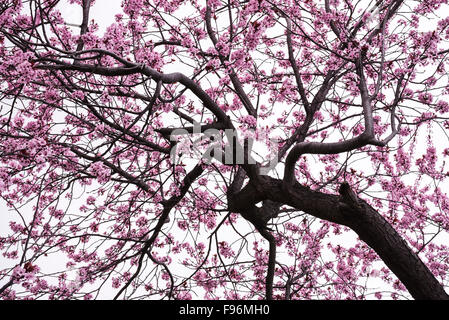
[358, 215]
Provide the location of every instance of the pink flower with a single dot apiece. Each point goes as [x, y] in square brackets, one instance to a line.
[425, 97]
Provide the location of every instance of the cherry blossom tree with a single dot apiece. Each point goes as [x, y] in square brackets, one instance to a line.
[100, 197]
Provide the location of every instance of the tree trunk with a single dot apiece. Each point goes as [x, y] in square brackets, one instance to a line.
[356, 214]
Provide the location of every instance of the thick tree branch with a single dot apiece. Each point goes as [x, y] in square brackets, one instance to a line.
[291, 58]
[133, 68]
[358, 215]
[84, 24]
